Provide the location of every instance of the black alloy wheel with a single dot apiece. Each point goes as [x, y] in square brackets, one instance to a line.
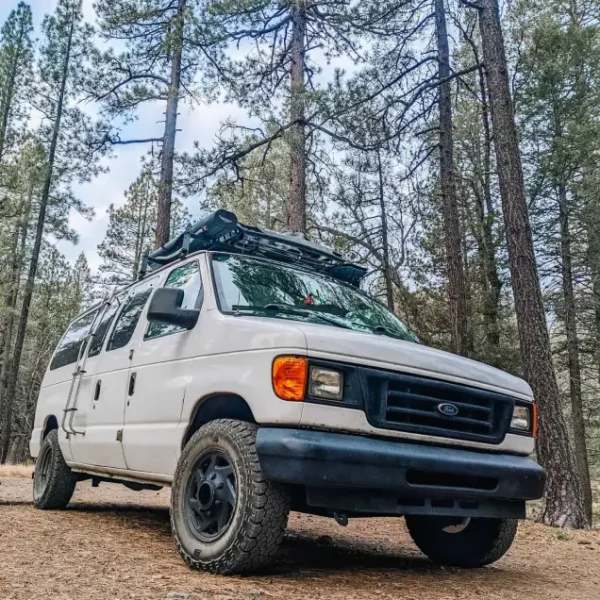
[211, 496]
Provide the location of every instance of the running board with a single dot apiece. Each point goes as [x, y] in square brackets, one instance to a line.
[110, 473]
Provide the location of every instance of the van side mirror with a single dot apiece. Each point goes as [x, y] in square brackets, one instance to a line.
[165, 307]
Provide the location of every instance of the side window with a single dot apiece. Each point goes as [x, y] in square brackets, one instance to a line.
[186, 278]
[102, 330]
[68, 349]
[125, 325]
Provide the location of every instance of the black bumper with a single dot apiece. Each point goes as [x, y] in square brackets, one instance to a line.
[342, 472]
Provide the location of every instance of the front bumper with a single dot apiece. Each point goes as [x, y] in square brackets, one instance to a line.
[342, 472]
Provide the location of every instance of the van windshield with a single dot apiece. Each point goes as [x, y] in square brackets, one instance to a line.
[267, 289]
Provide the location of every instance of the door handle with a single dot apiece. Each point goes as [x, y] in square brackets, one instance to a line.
[97, 390]
[132, 384]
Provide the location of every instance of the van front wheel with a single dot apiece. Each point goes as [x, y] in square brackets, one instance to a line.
[226, 518]
[53, 481]
[465, 543]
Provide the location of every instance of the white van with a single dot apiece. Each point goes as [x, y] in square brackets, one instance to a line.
[248, 371]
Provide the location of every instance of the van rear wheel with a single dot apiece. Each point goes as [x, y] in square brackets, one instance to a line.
[465, 543]
[53, 481]
[226, 518]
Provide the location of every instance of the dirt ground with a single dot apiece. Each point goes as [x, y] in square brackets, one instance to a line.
[113, 543]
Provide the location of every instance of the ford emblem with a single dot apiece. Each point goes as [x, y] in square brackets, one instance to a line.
[447, 409]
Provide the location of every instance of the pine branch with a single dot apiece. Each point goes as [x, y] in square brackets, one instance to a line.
[116, 141]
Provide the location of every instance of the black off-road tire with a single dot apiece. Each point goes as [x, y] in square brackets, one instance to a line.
[259, 517]
[53, 481]
[478, 543]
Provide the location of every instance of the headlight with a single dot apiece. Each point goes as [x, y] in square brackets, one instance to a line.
[523, 418]
[326, 384]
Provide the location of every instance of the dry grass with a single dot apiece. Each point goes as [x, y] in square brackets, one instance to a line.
[24, 471]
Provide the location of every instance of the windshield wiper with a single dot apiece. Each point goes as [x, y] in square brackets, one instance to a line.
[289, 310]
[381, 329]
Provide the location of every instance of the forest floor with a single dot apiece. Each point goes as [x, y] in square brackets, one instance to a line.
[113, 543]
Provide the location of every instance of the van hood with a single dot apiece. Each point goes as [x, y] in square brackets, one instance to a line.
[388, 353]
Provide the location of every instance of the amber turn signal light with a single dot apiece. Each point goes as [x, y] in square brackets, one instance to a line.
[289, 377]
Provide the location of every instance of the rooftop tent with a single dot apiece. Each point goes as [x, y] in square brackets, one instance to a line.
[222, 231]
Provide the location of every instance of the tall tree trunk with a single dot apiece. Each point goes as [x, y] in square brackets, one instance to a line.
[456, 277]
[165, 186]
[387, 267]
[491, 268]
[577, 417]
[564, 495]
[484, 234]
[296, 219]
[596, 292]
[35, 256]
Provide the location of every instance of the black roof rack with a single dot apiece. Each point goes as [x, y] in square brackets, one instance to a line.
[221, 231]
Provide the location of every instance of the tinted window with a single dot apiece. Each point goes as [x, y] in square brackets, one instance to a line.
[127, 320]
[186, 278]
[101, 331]
[68, 349]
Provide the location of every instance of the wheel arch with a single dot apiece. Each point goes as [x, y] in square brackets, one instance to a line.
[222, 405]
[50, 424]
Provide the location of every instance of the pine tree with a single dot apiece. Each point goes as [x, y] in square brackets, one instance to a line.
[159, 63]
[16, 57]
[60, 290]
[71, 141]
[564, 493]
[130, 231]
[276, 82]
[260, 194]
[558, 98]
[457, 293]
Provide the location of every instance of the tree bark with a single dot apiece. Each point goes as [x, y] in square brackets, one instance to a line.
[579, 433]
[456, 276]
[387, 266]
[491, 268]
[165, 187]
[596, 293]
[564, 495]
[35, 256]
[296, 218]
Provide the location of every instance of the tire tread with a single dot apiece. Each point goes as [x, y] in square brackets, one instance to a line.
[256, 543]
[61, 482]
[490, 541]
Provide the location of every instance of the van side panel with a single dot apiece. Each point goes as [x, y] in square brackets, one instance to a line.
[51, 401]
[221, 354]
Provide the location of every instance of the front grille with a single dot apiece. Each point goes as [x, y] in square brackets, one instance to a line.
[422, 405]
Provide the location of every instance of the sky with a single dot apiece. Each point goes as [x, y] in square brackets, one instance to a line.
[200, 123]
